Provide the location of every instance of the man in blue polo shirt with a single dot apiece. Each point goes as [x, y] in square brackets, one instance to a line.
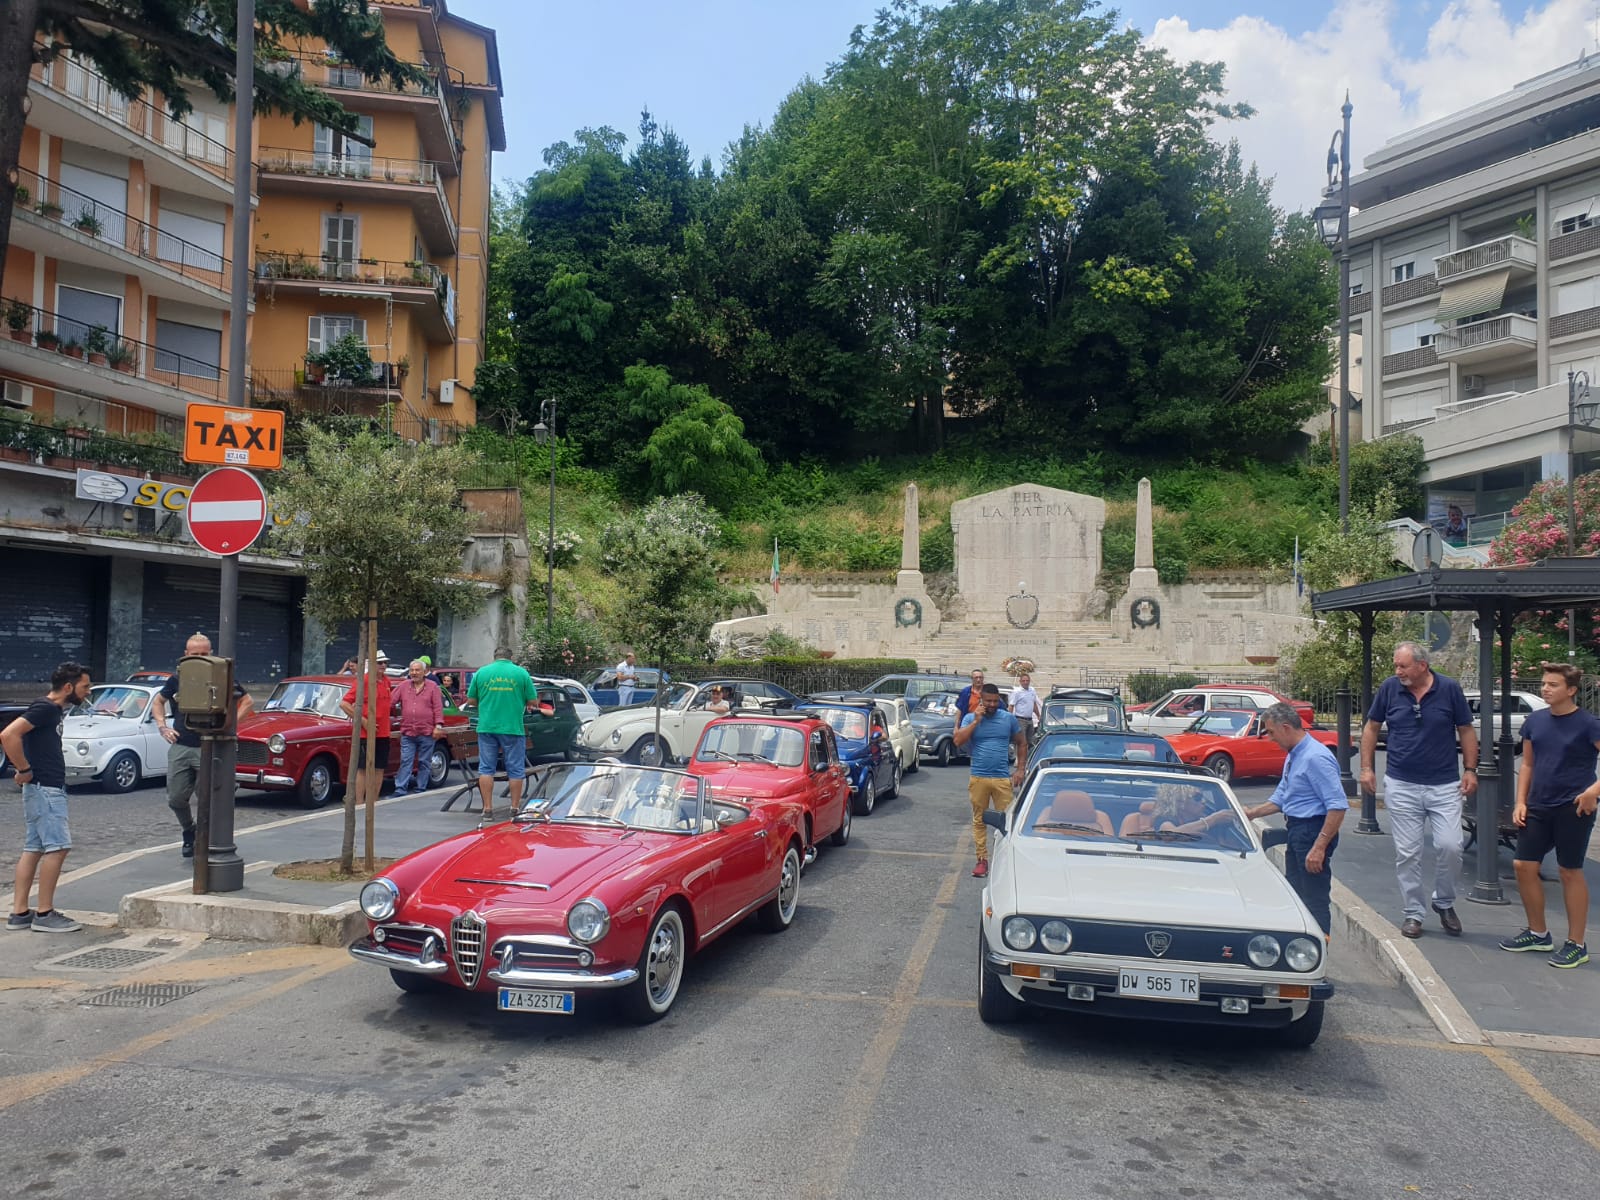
[992, 733]
[1313, 805]
[1422, 786]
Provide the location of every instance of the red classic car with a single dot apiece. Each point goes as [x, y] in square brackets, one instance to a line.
[1231, 743]
[763, 757]
[300, 739]
[606, 880]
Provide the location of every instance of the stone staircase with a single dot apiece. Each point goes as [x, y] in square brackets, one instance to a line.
[1062, 653]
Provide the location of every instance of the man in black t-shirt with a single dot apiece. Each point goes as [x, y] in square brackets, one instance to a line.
[33, 743]
[183, 743]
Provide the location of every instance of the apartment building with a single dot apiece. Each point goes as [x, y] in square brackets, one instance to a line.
[1475, 281]
[114, 315]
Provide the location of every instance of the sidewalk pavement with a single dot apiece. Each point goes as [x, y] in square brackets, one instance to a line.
[153, 887]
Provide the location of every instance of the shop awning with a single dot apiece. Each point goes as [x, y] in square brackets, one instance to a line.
[1470, 297]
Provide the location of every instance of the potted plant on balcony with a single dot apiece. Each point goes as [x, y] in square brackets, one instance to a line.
[120, 356]
[71, 347]
[48, 210]
[87, 222]
[21, 196]
[47, 339]
[95, 345]
[403, 365]
[348, 360]
[18, 315]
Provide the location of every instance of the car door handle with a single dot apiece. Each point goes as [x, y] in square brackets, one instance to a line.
[761, 833]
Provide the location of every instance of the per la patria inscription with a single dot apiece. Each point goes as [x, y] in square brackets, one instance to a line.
[1028, 538]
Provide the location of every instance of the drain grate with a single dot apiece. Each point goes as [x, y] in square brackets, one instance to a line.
[107, 958]
[143, 995]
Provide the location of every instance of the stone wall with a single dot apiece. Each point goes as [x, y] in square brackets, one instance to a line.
[1223, 621]
[854, 620]
[1042, 538]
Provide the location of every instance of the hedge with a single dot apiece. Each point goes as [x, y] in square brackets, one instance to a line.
[1151, 685]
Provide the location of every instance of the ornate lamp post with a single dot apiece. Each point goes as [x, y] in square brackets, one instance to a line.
[1581, 410]
[545, 434]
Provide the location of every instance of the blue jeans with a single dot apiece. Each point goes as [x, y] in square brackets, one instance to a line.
[414, 754]
[1297, 838]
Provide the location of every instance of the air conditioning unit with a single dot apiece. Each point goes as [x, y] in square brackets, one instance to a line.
[447, 391]
[18, 395]
[1472, 383]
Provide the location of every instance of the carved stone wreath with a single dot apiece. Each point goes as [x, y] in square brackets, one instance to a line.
[1022, 610]
[1145, 612]
[908, 612]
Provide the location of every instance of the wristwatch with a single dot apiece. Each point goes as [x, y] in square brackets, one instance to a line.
[1474, 770]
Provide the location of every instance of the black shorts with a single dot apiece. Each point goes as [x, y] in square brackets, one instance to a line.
[1558, 828]
[380, 753]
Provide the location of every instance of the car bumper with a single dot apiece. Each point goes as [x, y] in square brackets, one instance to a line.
[367, 950]
[263, 779]
[1085, 990]
[77, 772]
[595, 754]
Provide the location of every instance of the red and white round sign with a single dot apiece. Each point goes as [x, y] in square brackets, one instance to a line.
[227, 510]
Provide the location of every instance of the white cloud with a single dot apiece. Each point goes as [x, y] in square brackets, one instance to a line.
[1296, 83]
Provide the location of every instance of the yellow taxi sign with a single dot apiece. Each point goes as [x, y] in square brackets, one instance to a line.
[234, 437]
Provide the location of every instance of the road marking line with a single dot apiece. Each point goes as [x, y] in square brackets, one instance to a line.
[1542, 1096]
[1547, 1043]
[860, 1098]
[902, 853]
[250, 962]
[19, 1088]
[42, 983]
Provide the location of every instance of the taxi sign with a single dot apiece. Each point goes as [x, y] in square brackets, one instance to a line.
[234, 437]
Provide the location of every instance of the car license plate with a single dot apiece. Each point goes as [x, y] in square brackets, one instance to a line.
[524, 1000]
[1158, 985]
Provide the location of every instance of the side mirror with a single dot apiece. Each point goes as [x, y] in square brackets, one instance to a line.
[878, 735]
[994, 820]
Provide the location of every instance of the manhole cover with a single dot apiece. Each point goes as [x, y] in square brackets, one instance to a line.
[143, 995]
[107, 958]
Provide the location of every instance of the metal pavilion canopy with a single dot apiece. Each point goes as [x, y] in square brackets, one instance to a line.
[1497, 595]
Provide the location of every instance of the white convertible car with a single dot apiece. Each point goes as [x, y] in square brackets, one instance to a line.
[1143, 892]
[112, 736]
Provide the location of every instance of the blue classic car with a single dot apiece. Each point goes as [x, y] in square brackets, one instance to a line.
[602, 685]
[863, 740]
[1091, 740]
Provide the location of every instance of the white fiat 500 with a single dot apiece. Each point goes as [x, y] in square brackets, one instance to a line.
[1143, 892]
[112, 736]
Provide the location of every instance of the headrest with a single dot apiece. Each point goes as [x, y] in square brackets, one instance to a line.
[1074, 806]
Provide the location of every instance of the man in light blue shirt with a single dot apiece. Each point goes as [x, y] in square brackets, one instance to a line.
[993, 734]
[1313, 805]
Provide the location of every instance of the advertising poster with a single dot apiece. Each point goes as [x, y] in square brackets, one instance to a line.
[1449, 512]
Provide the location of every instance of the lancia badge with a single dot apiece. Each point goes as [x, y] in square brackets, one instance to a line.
[1159, 943]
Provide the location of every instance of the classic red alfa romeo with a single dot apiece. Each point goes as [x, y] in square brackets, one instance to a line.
[607, 879]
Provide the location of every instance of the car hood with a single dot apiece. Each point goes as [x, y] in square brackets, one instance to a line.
[733, 780]
[293, 725]
[99, 726]
[635, 717]
[1193, 743]
[1101, 880]
[566, 861]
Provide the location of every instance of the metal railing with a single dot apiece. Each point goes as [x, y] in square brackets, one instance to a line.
[52, 200]
[77, 82]
[83, 443]
[277, 264]
[312, 379]
[443, 84]
[352, 164]
[1510, 249]
[1485, 333]
[81, 341]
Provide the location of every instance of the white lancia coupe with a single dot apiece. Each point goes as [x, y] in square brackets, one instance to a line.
[1143, 892]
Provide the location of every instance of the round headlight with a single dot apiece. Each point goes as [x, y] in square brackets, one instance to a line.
[275, 743]
[378, 899]
[1019, 933]
[616, 737]
[1056, 936]
[1264, 950]
[588, 921]
[82, 747]
[1302, 954]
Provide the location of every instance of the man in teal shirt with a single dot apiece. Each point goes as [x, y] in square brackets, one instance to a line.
[501, 693]
[993, 734]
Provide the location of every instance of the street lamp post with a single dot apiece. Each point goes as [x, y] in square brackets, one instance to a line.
[1581, 410]
[545, 434]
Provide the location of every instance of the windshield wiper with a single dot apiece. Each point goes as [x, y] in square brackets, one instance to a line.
[1167, 835]
[754, 757]
[720, 754]
[596, 817]
[1073, 825]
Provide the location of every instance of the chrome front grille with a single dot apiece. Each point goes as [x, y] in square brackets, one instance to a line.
[466, 946]
[252, 754]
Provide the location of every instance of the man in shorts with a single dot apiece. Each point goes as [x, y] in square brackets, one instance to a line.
[33, 744]
[501, 693]
[1556, 798]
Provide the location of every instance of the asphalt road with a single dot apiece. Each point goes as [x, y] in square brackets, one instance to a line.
[843, 1058]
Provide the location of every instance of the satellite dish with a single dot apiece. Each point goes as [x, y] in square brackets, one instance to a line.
[1436, 631]
[1427, 548]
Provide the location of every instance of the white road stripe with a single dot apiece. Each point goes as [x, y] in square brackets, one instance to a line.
[208, 511]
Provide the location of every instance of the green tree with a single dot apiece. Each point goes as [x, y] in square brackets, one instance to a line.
[379, 532]
[177, 46]
[697, 444]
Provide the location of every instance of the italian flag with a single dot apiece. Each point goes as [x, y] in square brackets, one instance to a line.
[776, 573]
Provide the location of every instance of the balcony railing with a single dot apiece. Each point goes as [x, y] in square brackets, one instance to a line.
[347, 166]
[339, 404]
[374, 272]
[79, 341]
[1482, 338]
[139, 117]
[78, 210]
[85, 443]
[330, 72]
[1510, 251]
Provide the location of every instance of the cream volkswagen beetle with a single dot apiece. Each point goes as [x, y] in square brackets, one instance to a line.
[1143, 892]
[630, 733]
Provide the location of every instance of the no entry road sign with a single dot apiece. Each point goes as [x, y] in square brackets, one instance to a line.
[227, 511]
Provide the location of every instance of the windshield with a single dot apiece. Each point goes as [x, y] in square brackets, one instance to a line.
[941, 704]
[845, 722]
[617, 794]
[749, 741]
[114, 701]
[1103, 745]
[1190, 811]
[1093, 712]
[306, 696]
[1222, 724]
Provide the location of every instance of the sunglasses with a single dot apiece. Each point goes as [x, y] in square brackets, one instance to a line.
[1416, 711]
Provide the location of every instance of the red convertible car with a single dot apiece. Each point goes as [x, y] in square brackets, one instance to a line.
[606, 880]
[760, 758]
[1232, 744]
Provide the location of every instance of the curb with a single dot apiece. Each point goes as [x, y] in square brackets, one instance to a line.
[172, 906]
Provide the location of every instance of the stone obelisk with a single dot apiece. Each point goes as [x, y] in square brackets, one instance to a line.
[1143, 580]
[909, 580]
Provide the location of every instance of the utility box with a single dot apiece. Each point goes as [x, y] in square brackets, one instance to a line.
[205, 691]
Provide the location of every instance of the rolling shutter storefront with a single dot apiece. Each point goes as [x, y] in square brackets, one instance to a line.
[396, 638]
[179, 601]
[47, 612]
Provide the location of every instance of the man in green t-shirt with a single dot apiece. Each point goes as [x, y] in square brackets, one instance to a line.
[501, 693]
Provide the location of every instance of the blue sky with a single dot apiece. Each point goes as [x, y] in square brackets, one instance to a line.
[708, 67]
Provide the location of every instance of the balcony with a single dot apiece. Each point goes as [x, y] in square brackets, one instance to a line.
[421, 285]
[357, 177]
[1484, 433]
[1511, 253]
[428, 102]
[376, 405]
[1509, 335]
[59, 352]
[74, 103]
[63, 223]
